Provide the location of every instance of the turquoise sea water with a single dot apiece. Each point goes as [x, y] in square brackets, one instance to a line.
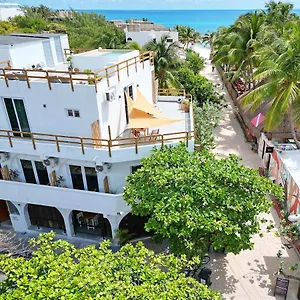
[201, 20]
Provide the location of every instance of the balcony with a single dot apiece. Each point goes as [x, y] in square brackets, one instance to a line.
[107, 204]
[75, 78]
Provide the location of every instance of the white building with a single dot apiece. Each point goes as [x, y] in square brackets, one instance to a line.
[143, 32]
[9, 10]
[69, 139]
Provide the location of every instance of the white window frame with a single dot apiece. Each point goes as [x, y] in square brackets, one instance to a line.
[82, 174]
[13, 102]
[127, 90]
[73, 113]
[34, 170]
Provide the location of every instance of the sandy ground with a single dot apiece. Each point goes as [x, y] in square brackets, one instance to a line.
[250, 274]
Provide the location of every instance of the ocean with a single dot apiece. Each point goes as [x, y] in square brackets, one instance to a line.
[200, 20]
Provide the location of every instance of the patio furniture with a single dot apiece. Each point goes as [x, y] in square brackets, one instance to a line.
[80, 218]
[281, 286]
[154, 134]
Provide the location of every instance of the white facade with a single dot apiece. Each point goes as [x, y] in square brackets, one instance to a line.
[143, 37]
[39, 50]
[9, 10]
[61, 117]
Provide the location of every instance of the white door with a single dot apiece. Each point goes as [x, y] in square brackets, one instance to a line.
[48, 54]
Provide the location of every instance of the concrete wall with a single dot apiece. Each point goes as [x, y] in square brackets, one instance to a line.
[143, 37]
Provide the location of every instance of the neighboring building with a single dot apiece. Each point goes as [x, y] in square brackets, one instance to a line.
[69, 139]
[143, 32]
[9, 10]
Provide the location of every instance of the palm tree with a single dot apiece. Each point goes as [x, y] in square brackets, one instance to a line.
[279, 75]
[165, 62]
[208, 39]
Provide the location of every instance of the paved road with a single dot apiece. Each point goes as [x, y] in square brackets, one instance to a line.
[250, 274]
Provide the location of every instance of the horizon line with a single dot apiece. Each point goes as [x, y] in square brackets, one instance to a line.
[113, 9]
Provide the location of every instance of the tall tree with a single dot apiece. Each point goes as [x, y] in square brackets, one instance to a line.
[165, 62]
[279, 73]
[59, 271]
[195, 199]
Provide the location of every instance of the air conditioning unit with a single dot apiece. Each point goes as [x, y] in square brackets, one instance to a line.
[110, 96]
[103, 167]
[51, 162]
[4, 156]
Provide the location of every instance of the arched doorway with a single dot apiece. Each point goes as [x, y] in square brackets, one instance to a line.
[45, 216]
[88, 223]
[135, 225]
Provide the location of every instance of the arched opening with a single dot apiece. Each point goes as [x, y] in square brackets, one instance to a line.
[88, 223]
[45, 217]
[129, 39]
[135, 225]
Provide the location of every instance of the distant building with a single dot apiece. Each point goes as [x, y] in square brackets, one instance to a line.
[9, 10]
[143, 32]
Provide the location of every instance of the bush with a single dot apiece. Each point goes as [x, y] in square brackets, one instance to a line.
[194, 62]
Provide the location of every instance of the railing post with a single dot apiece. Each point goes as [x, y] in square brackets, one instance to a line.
[127, 68]
[48, 79]
[136, 146]
[135, 64]
[109, 141]
[57, 144]
[71, 81]
[82, 145]
[5, 77]
[187, 139]
[8, 64]
[118, 70]
[33, 141]
[106, 74]
[9, 139]
[27, 79]
[95, 82]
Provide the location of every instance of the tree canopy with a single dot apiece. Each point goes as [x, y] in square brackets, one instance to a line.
[195, 199]
[57, 270]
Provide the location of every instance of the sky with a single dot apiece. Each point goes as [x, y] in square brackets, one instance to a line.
[151, 4]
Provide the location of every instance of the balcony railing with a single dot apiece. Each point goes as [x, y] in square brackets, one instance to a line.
[72, 78]
[86, 142]
[175, 92]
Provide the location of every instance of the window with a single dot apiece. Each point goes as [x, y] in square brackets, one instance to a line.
[84, 178]
[107, 96]
[169, 40]
[35, 172]
[73, 113]
[17, 115]
[135, 168]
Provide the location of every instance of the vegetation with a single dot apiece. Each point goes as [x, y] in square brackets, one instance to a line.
[262, 50]
[85, 30]
[196, 200]
[193, 62]
[57, 270]
[187, 35]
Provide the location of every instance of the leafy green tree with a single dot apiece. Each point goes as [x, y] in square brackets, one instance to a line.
[206, 118]
[194, 199]
[187, 35]
[197, 85]
[208, 38]
[279, 74]
[194, 61]
[165, 62]
[57, 270]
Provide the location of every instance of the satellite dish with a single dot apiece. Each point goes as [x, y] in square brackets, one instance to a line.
[294, 218]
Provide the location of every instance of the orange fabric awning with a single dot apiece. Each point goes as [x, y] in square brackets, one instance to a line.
[143, 115]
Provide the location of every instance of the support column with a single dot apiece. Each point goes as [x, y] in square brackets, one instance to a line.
[114, 223]
[20, 220]
[67, 216]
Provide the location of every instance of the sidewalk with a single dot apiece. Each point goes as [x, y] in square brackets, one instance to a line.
[250, 274]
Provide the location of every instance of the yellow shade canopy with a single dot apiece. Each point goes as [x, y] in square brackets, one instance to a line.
[143, 115]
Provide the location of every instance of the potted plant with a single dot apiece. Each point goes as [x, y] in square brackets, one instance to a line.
[59, 181]
[122, 236]
[69, 60]
[14, 175]
[90, 79]
[185, 105]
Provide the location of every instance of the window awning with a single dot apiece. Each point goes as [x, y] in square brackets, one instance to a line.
[143, 115]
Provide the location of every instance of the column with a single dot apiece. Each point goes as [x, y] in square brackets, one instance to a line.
[67, 216]
[114, 223]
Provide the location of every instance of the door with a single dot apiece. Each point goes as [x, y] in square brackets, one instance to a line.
[58, 49]
[48, 54]
[35, 172]
[17, 115]
[77, 179]
[28, 171]
[129, 91]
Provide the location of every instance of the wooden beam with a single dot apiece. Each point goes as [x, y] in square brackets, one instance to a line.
[106, 185]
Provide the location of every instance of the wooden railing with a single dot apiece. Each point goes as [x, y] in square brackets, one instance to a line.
[175, 92]
[87, 142]
[72, 51]
[73, 77]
